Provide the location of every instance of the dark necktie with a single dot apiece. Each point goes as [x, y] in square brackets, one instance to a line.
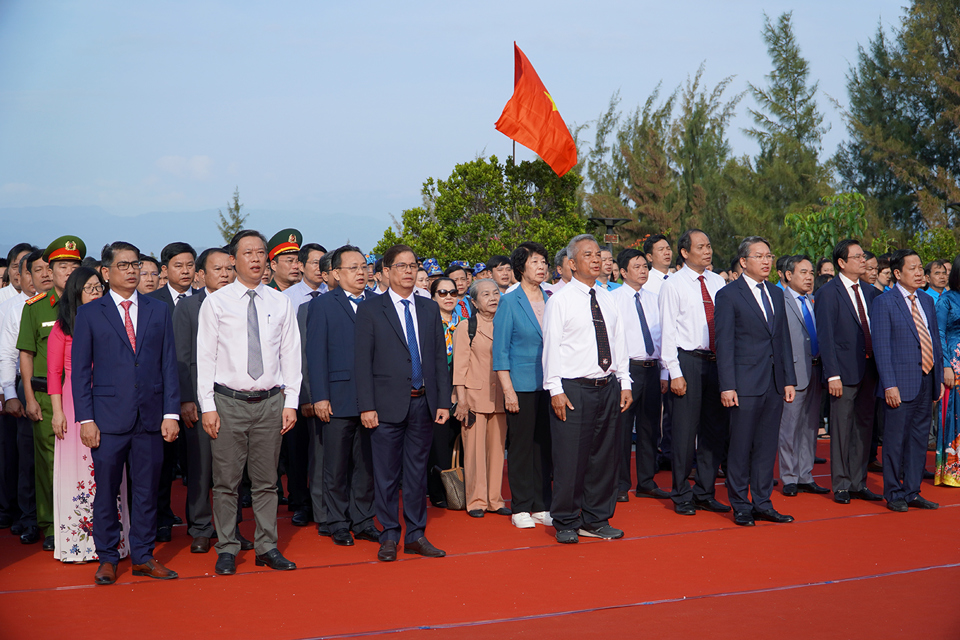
[867, 340]
[811, 327]
[644, 327]
[179, 298]
[708, 309]
[416, 368]
[313, 294]
[767, 309]
[600, 327]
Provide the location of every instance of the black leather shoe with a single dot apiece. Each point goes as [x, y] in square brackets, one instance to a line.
[246, 501]
[927, 475]
[323, 530]
[226, 564]
[711, 505]
[423, 548]
[811, 487]
[922, 503]
[200, 544]
[623, 496]
[475, 513]
[503, 511]
[771, 515]
[275, 560]
[656, 492]
[17, 528]
[685, 509]
[841, 497]
[743, 518]
[790, 490]
[875, 467]
[49, 544]
[30, 535]
[177, 519]
[897, 505]
[342, 538]
[164, 534]
[301, 518]
[439, 504]
[369, 534]
[388, 551]
[865, 494]
[817, 460]
[245, 545]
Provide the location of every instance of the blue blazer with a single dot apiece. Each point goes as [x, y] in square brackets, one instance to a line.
[382, 359]
[748, 351]
[111, 383]
[842, 348]
[518, 341]
[163, 295]
[896, 343]
[330, 349]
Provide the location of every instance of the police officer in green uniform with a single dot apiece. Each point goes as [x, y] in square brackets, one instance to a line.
[39, 315]
[283, 250]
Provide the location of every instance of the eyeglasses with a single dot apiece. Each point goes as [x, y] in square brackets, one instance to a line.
[149, 274]
[403, 266]
[96, 288]
[124, 266]
[447, 293]
[764, 257]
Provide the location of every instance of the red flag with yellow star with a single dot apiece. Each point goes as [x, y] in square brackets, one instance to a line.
[531, 118]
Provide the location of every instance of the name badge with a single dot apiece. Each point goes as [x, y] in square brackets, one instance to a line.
[49, 324]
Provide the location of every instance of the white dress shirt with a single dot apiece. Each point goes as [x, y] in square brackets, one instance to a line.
[7, 293]
[12, 311]
[758, 295]
[423, 293]
[626, 300]
[570, 340]
[848, 285]
[175, 294]
[398, 305]
[906, 298]
[222, 344]
[300, 294]
[683, 320]
[655, 281]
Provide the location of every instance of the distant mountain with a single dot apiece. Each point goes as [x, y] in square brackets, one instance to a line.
[152, 231]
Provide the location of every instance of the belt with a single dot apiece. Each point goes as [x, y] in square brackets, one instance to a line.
[251, 397]
[644, 363]
[701, 353]
[815, 361]
[416, 393]
[38, 384]
[594, 382]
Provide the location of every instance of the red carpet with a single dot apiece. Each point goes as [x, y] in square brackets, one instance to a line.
[840, 571]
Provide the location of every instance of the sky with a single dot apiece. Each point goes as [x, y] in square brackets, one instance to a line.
[137, 120]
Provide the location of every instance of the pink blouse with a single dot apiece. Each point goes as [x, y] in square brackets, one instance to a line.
[58, 359]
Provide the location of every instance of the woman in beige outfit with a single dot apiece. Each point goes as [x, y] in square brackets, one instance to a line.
[479, 394]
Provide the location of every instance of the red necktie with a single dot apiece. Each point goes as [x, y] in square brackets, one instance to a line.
[128, 324]
[867, 340]
[708, 309]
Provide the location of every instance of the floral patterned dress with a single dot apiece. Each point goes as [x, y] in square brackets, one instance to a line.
[948, 441]
[73, 485]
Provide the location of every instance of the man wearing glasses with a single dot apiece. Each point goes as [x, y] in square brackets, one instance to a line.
[842, 309]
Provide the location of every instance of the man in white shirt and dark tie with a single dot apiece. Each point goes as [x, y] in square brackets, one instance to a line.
[659, 255]
[639, 309]
[688, 350]
[586, 371]
[248, 386]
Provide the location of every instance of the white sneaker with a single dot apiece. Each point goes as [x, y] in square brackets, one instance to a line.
[523, 520]
[543, 517]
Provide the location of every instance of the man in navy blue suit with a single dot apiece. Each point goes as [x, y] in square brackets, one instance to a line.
[403, 386]
[906, 340]
[843, 308]
[753, 352]
[127, 401]
[347, 457]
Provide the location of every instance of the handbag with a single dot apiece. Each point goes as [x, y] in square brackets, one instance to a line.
[452, 480]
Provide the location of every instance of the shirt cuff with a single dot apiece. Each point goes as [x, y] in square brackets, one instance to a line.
[171, 416]
[832, 378]
[86, 421]
[9, 392]
[675, 372]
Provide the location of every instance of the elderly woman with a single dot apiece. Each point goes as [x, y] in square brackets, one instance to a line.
[480, 407]
[517, 359]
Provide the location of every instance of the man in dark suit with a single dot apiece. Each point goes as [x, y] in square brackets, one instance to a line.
[178, 264]
[753, 352]
[127, 399]
[910, 366]
[403, 386]
[347, 456]
[842, 309]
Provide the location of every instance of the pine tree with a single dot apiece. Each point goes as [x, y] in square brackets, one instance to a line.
[232, 223]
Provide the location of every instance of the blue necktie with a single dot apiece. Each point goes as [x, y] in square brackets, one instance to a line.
[647, 338]
[766, 305]
[416, 377]
[811, 328]
[358, 299]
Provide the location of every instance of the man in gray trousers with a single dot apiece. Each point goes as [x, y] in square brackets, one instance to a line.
[800, 418]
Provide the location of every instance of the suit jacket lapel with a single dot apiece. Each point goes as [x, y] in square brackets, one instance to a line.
[424, 324]
[752, 302]
[908, 313]
[341, 297]
[112, 315]
[392, 317]
[790, 301]
[143, 318]
[525, 305]
[845, 297]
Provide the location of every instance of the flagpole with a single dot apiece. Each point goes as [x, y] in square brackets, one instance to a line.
[514, 152]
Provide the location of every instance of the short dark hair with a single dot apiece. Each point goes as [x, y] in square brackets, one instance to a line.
[883, 262]
[337, 258]
[453, 269]
[144, 258]
[930, 265]
[897, 259]
[652, 240]
[625, 256]
[28, 260]
[204, 256]
[954, 280]
[496, 261]
[304, 254]
[782, 263]
[174, 249]
[522, 253]
[867, 255]
[93, 263]
[735, 264]
[110, 250]
[436, 284]
[792, 261]
[821, 280]
[18, 249]
[820, 263]
[842, 251]
[240, 235]
[326, 260]
[72, 296]
[686, 241]
[378, 266]
[558, 259]
[743, 251]
[391, 254]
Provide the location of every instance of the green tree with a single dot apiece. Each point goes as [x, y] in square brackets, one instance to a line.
[232, 223]
[817, 230]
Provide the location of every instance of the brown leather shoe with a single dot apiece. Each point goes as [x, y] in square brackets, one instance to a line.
[201, 544]
[153, 569]
[106, 573]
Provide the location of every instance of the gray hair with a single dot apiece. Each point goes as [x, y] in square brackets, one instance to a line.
[744, 250]
[558, 260]
[572, 245]
[474, 289]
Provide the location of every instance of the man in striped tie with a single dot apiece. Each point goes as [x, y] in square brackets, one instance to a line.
[910, 365]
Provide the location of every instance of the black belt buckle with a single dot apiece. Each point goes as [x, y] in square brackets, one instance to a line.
[815, 361]
[416, 393]
[251, 399]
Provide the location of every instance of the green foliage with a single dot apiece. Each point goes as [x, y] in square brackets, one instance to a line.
[936, 244]
[882, 243]
[817, 231]
[487, 208]
[232, 223]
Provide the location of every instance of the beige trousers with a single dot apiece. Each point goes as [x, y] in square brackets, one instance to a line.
[483, 445]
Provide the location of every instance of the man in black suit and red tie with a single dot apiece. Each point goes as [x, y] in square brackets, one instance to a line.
[403, 386]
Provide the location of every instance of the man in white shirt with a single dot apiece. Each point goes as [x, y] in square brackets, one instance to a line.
[640, 311]
[248, 386]
[688, 351]
[660, 255]
[562, 264]
[587, 372]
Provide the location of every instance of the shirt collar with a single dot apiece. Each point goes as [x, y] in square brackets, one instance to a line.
[906, 294]
[174, 293]
[750, 281]
[240, 289]
[117, 299]
[396, 298]
[692, 275]
[847, 282]
[581, 286]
